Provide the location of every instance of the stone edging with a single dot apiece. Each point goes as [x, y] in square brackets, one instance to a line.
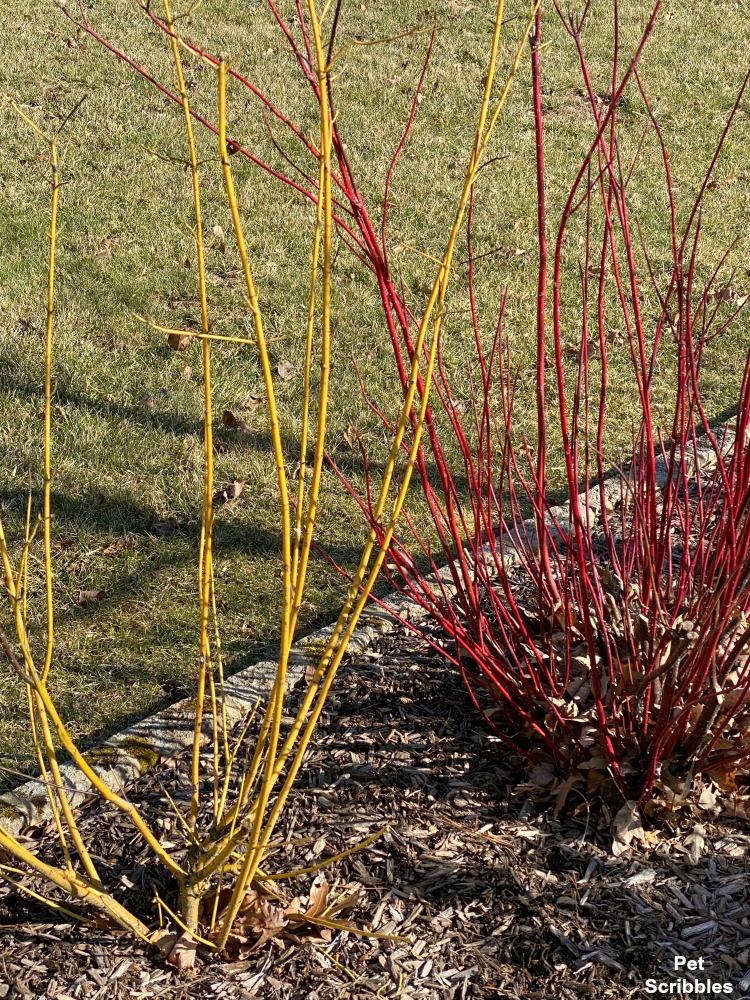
[130, 753]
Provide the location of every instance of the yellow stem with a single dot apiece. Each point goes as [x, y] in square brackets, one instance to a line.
[271, 725]
[350, 613]
[76, 887]
[292, 604]
[361, 846]
[205, 575]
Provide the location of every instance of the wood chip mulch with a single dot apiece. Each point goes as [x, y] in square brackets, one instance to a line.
[494, 896]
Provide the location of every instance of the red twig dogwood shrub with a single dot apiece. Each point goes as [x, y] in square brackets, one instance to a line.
[611, 634]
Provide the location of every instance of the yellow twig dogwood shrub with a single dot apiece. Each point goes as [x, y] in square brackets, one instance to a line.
[225, 858]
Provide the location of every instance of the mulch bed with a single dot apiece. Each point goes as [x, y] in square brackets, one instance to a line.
[494, 895]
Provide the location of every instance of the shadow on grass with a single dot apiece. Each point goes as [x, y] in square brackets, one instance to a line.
[157, 419]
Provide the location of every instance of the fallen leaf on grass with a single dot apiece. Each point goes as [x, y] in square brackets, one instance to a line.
[84, 597]
[351, 436]
[106, 247]
[229, 496]
[253, 402]
[178, 341]
[56, 408]
[720, 295]
[116, 546]
[285, 370]
[573, 350]
[229, 420]
[60, 545]
[219, 245]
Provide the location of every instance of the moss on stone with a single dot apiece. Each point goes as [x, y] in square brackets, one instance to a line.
[142, 749]
[314, 649]
[135, 747]
[8, 812]
[103, 755]
[375, 621]
[181, 708]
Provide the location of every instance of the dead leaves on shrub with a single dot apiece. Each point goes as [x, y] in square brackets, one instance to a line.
[633, 826]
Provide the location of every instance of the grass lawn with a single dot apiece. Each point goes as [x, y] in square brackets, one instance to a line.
[128, 409]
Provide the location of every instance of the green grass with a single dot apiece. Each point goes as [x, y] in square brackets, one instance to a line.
[128, 409]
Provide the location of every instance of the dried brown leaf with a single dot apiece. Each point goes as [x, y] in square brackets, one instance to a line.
[267, 919]
[286, 370]
[228, 419]
[695, 842]
[348, 901]
[178, 341]
[84, 597]
[229, 496]
[164, 941]
[627, 827]
[116, 546]
[106, 247]
[182, 955]
[350, 436]
[318, 897]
